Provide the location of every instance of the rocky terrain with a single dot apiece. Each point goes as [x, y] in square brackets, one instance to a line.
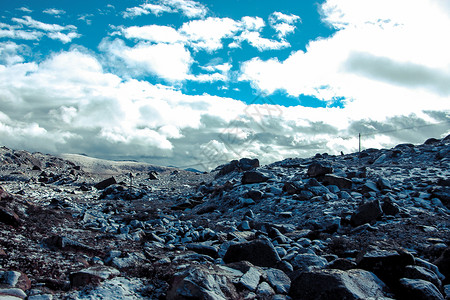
[368, 225]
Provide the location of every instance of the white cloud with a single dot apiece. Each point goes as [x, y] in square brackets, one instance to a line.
[9, 53]
[208, 34]
[382, 56]
[54, 11]
[153, 33]
[252, 23]
[53, 31]
[169, 61]
[30, 22]
[25, 9]
[189, 8]
[254, 38]
[283, 24]
[145, 9]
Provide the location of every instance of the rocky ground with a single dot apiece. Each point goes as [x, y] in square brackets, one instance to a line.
[369, 225]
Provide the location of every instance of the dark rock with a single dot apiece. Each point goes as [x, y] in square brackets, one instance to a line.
[341, 182]
[306, 262]
[92, 276]
[330, 284]
[443, 182]
[153, 175]
[66, 244]
[4, 195]
[418, 289]
[366, 213]
[9, 217]
[201, 282]
[389, 207]
[418, 272]
[317, 169]
[369, 186]
[388, 265]
[204, 249]
[384, 184]
[259, 252]
[250, 177]
[341, 264]
[246, 164]
[105, 183]
[254, 194]
[443, 263]
[431, 141]
[292, 188]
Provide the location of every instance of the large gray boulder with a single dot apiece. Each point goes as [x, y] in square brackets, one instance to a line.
[202, 282]
[330, 284]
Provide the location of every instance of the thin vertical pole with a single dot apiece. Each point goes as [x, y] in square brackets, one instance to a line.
[359, 139]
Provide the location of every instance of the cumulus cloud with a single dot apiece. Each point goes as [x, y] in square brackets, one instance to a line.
[189, 8]
[283, 24]
[168, 61]
[54, 11]
[379, 57]
[10, 53]
[208, 34]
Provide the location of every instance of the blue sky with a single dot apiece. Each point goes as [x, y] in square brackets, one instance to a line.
[197, 83]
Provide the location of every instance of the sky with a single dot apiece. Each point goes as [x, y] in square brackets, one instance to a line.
[198, 83]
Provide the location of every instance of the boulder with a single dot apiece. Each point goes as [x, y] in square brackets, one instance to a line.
[250, 177]
[336, 284]
[388, 265]
[341, 182]
[259, 252]
[280, 282]
[389, 207]
[66, 244]
[366, 213]
[105, 183]
[317, 169]
[250, 279]
[202, 282]
[307, 262]
[418, 289]
[443, 263]
[203, 249]
[418, 272]
[9, 217]
[93, 275]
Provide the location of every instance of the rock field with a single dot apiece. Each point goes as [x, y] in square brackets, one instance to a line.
[368, 225]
